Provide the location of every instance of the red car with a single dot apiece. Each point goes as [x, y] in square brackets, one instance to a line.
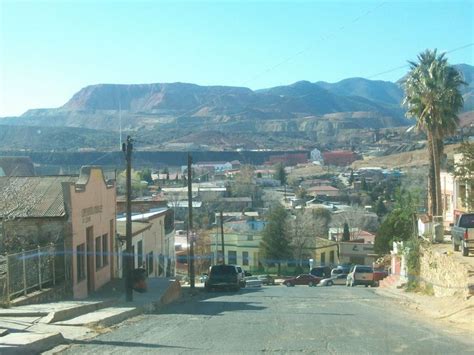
[303, 279]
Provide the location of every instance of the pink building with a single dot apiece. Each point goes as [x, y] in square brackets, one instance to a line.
[91, 203]
[75, 212]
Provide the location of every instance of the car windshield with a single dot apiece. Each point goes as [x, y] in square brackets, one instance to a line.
[364, 269]
[222, 270]
[154, 154]
[467, 221]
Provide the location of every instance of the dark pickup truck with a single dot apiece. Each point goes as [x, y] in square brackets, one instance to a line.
[462, 234]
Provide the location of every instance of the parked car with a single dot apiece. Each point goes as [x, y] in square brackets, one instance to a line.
[303, 279]
[341, 269]
[321, 271]
[242, 275]
[334, 280]
[223, 277]
[253, 281]
[379, 275]
[266, 279]
[361, 275]
[462, 234]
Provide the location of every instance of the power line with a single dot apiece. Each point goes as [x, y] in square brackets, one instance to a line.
[322, 38]
[407, 65]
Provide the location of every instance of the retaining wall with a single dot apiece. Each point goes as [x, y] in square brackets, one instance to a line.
[445, 274]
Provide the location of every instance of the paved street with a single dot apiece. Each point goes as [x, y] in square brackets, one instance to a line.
[330, 320]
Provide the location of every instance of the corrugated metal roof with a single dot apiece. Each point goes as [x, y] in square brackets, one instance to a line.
[33, 196]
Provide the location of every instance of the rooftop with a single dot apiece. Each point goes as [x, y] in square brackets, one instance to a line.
[33, 196]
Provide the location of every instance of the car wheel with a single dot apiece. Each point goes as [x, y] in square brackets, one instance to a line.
[311, 284]
[455, 246]
[329, 283]
[287, 284]
[465, 251]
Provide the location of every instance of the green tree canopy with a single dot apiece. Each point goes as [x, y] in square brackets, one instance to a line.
[276, 243]
[398, 225]
[346, 234]
[280, 174]
[145, 175]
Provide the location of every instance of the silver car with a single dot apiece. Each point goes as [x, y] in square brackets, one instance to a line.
[253, 281]
[334, 280]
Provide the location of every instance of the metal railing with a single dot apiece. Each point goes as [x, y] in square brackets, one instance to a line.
[30, 270]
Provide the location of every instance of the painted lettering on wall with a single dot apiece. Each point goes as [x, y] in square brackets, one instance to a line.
[86, 213]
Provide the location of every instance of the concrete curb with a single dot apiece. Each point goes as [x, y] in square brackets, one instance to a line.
[76, 311]
[21, 343]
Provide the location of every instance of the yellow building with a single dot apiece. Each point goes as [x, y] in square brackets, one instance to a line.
[240, 249]
[325, 252]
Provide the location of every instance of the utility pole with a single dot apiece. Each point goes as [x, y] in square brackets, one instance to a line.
[127, 259]
[222, 238]
[190, 223]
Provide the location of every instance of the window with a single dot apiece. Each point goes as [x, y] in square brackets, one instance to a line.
[245, 258]
[81, 261]
[149, 263]
[140, 253]
[105, 250]
[232, 257]
[331, 257]
[98, 253]
[323, 258]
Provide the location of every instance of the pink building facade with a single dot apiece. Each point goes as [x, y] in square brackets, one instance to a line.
[91, 203]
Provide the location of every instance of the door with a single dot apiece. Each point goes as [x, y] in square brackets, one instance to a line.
[90, 259]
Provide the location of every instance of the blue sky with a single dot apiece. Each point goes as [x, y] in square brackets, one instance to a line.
[51, 49]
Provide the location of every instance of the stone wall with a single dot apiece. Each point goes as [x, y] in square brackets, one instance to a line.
[28, 233]
[54, 294]
[445, 274]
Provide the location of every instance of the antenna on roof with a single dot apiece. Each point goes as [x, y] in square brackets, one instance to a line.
[120, 123]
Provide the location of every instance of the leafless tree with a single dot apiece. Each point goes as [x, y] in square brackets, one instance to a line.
[302, 233]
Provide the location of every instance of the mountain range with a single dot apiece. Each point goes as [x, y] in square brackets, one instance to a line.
[167, 115]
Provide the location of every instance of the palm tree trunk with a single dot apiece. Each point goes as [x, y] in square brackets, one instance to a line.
[438, 209]
[439, 198]
[431, 177]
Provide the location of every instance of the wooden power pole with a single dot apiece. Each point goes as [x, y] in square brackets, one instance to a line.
[222, 238]
[190, 222]
[127, 259]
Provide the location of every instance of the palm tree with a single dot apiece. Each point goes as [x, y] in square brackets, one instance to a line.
[432, 95]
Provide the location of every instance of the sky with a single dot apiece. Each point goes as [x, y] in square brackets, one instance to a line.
[49, 50]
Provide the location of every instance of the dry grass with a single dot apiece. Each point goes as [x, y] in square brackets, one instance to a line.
[307, 170]
[414, 158]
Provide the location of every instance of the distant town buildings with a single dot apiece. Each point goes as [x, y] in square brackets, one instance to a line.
[340, 157]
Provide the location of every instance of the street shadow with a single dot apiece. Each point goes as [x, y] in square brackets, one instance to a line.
[210, 303]
[202, 293]
[126, 344]
[209, 307]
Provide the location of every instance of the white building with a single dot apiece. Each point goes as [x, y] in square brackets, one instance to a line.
[316, 156]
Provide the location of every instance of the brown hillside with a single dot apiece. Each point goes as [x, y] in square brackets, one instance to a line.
[403, 160]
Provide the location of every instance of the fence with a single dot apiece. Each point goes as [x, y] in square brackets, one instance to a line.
[27, 271]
